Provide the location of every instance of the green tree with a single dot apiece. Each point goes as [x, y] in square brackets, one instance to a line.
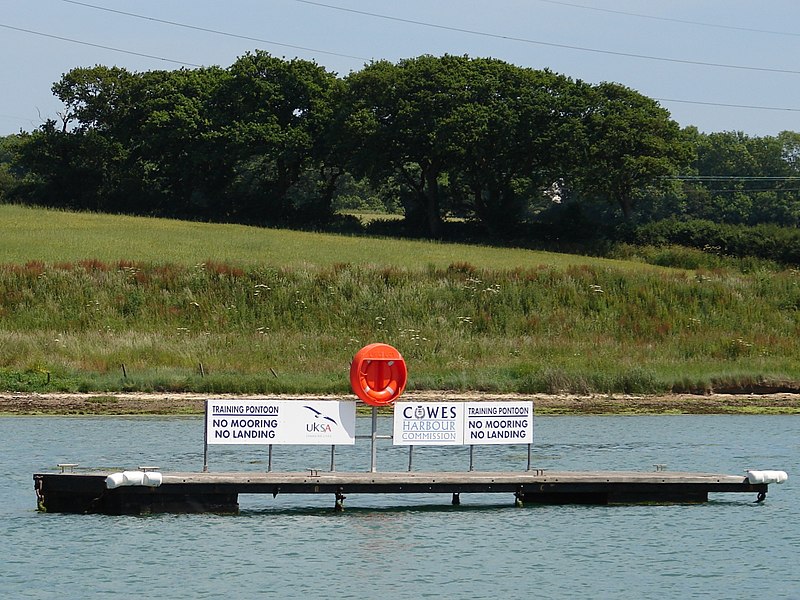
[396, 122]
[175, 145]
[85, 161]
[745, 179]
[247, 143]
[273, 124]
[160, 121]
[630, 143]
[10, 172]
[70, 169]
[512, 134]
[97, 98]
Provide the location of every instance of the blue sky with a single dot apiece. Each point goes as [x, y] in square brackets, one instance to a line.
[694, 56]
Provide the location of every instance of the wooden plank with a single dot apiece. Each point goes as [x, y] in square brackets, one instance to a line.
[472, 477]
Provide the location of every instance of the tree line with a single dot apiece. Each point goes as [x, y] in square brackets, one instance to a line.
[270, 141]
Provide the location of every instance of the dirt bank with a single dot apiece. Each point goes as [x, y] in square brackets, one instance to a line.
[178, 404]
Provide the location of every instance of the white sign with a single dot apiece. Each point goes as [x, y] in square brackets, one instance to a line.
[459, 423]
[428, 423]
[280, 422]
[498, 423]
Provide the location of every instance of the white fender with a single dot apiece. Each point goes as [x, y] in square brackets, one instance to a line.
[134, 478]
[767, 476]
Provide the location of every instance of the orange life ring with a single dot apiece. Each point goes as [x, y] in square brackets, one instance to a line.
[378, 374]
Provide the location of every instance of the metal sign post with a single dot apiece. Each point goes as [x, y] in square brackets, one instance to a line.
[471, 453]
[373, 467]
[269, 459]
[529, 456]
[205, 439]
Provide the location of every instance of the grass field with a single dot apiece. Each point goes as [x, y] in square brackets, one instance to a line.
[102, 303]
[56, 236]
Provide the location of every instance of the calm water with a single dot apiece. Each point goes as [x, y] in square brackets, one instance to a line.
[410, 546]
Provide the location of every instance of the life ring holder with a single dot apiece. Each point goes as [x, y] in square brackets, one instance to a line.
[378, 374]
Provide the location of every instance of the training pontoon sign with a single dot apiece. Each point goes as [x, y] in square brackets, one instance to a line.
[280, 422]
[498, 423]
[428, 423]
[460, 423]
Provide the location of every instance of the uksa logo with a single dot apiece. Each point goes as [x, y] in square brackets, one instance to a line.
[319, 423]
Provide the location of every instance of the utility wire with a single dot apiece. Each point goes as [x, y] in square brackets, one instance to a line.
[73, 41]
[188, 64]
[751, 191]
[728, 105]
[670, 19]
[549, 44]
[234, 35]
[730, 178]
[214, 31]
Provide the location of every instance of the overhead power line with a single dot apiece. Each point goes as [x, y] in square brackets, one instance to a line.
[83, 43]
[730, 178]
[214, 31]
[671, 19]
[754, 190]
[753, 106]
[234, 35]
[549, 44]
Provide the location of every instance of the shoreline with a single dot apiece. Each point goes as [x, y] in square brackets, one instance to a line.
[124, 403]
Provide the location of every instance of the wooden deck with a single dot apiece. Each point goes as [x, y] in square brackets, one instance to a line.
[219, 492]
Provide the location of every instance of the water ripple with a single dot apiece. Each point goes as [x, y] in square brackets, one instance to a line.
[411, 547]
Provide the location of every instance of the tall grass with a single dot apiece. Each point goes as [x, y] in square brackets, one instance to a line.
[291, 329]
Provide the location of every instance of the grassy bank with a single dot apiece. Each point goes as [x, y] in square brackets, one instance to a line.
[215, 327]
[104, 303]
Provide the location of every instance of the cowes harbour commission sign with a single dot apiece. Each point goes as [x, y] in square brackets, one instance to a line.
[460, 423]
